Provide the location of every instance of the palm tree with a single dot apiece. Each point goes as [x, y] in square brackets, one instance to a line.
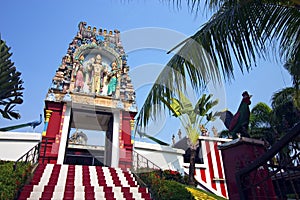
[261, 124]
[272, 123]
[293, 67]
[238, 30]
[192, 118]
[10, 84]
[285, 112]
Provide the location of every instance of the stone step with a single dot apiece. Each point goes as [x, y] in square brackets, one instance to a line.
[53, 181]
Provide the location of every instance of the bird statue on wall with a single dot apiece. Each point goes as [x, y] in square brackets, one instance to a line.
[33, 124]
[238, 123]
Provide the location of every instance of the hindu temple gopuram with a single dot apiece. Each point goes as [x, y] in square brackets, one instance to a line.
[91, 91]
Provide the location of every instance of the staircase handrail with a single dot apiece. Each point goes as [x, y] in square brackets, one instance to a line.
[142, 183]
[141, 163]
[31, 156]
[45, 148]
[139, 180]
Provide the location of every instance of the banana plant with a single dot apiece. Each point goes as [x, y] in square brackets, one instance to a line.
[192, 118]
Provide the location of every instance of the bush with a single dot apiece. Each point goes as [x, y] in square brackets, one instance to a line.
[172, 175]
[172, 190]
[163, 186]
[11, 181]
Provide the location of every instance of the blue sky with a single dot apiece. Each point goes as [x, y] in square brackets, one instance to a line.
[39, 33]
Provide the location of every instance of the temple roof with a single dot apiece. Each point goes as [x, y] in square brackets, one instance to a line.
[94, 67]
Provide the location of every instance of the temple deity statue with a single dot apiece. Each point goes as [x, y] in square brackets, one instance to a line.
[204, 131]
[104, 80]
[98, 74]
[89, 73]
[79, 82]
[113, 80]
[83, 31]
[111, 39]
[99, 37]
[117, 38]
[94, 32]
[76, 67]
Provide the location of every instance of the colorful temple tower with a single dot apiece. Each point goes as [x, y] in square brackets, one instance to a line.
[90, 106]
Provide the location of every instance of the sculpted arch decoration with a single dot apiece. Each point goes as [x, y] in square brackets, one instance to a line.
[95, 64]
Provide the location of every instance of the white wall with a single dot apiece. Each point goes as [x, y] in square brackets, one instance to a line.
[15, 144]
[165, 157]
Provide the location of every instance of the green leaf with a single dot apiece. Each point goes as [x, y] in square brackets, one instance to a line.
[10, 84]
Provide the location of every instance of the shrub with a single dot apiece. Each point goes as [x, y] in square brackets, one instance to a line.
[164, 189]
[11, 181]
[172, 175]
[172, 190]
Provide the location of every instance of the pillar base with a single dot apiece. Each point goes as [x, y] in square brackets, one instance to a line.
[238, 154]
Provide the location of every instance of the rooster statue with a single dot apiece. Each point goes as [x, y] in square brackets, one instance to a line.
[238, 123]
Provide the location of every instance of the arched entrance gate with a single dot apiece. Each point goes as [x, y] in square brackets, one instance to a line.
[90, 106]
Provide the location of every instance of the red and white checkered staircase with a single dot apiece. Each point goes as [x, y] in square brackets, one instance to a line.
[68, 182]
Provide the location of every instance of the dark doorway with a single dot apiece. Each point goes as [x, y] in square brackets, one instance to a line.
[90, 138]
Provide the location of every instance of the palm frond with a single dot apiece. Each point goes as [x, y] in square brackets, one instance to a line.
[282, 97]
[174, 78]
[234, 29]
[260, 116]
[282, 23]
[195, 5]
[239, 31]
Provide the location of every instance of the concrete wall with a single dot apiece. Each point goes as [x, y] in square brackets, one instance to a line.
[15, 144]
[165, 157]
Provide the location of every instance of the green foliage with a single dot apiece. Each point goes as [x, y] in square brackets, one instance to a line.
[11, 181]
[285, 112]
[175, 176]
[172, 190]
[293, 67]
[10, 84]
[191, 117]
[270, 124]
[166, 185]
[261, 123]
[260, 116]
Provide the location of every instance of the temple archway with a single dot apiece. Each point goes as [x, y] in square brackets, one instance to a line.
[90, 106]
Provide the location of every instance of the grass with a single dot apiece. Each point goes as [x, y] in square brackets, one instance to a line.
[202, 195]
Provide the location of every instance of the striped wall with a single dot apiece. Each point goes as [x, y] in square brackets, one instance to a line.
[210, 174]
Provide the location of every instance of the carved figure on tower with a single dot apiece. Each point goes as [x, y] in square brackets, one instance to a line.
[99, 37]
[89, 73]
[113, 80]
[98, 74]
[79, 83]
[83, 31]
[95, 64]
